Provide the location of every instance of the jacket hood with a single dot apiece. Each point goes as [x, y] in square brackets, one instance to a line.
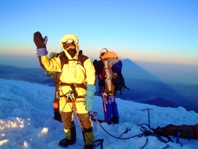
[70, 36]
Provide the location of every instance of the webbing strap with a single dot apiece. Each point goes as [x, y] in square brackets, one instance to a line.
[77, 96]
[73, 86]
[82, 85]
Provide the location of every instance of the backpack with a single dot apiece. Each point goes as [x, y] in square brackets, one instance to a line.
[118, 81]
[99, 68]
[98, 65]
[116, 67]
[181, 131]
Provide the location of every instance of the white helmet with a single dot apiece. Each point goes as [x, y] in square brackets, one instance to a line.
[69, 38]
[103, 51]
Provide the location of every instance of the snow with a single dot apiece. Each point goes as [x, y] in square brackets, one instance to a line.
[26, 121]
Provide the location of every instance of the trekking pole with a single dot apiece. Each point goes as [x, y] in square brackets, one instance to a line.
[148, 110]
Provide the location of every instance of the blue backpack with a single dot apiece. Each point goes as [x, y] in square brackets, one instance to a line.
[118, 81]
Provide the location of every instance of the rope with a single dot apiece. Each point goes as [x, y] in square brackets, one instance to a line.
[145, 143]
[73, 108]
[139, 135]
[145, 131]
[159, 134]
[78, 119]
[166, 146]
[127, 129]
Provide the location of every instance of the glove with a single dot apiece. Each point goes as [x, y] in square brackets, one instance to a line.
[89, 99]
[40, 43]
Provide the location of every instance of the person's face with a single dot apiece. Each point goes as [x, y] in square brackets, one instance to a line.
[71, 49]
[102, 54]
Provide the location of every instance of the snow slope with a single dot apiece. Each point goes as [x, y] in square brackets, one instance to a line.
[26, 121]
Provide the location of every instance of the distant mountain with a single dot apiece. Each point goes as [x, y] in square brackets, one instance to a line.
[35, 75]
[144, 87]
[161, 102]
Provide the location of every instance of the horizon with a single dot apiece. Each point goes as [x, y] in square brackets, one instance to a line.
[166, 72]
[28, 61]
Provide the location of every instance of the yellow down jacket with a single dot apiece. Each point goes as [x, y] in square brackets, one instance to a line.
[72, 72]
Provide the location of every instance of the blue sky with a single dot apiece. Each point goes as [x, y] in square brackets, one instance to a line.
[155, 30]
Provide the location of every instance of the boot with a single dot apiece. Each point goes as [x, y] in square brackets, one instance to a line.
[88, 137]
[88, 146]
[65, 142]
[115, 120]
[70, 137]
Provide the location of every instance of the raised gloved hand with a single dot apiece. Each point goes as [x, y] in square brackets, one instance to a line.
[40, 43]
[89, 99]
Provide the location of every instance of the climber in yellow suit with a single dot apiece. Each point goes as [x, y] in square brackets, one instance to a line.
[76, 87]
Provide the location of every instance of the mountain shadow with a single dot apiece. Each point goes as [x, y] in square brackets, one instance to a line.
[146, 88]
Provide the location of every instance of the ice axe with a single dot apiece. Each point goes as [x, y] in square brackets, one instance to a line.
[148, 110]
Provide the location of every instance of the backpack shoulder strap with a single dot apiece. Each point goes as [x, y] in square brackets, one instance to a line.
[63, 59]
[81, 59]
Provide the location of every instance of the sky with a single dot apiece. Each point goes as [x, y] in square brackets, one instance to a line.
[141, 30]
[26, 121]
